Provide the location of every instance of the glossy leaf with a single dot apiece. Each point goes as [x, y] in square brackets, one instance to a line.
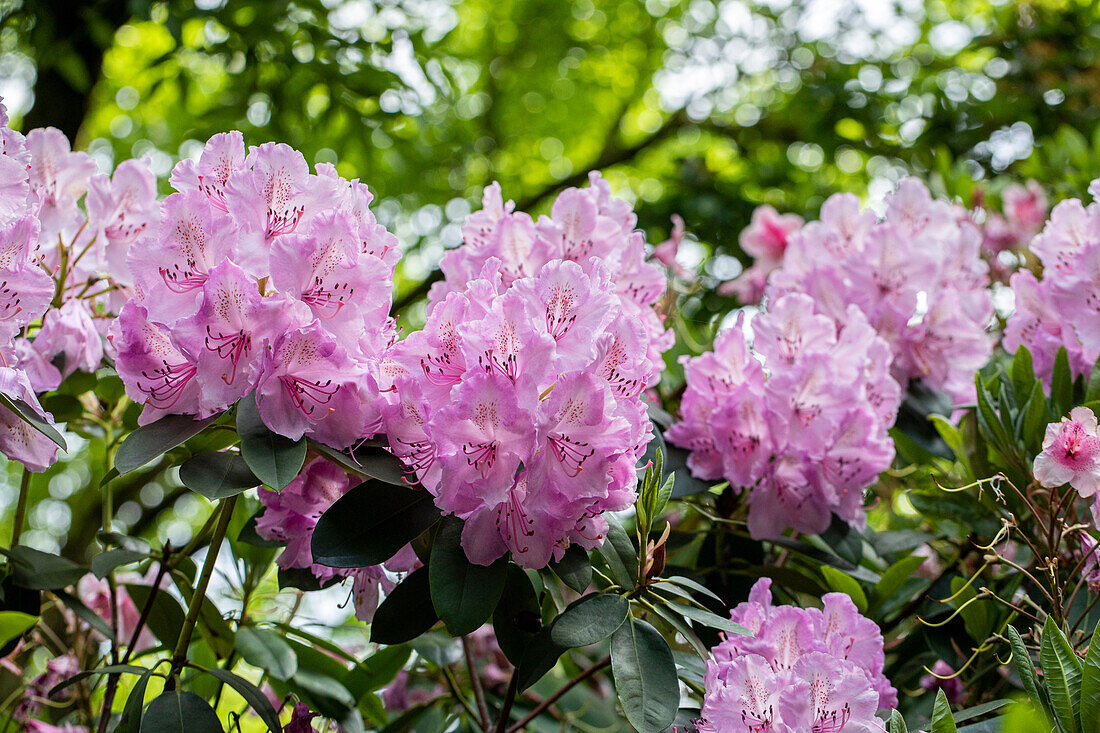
[844, 583]
[377, 670]
[574, 569]
[406, 613]
[43, 570]
[27, 414]
[645, 676]
[370, 523]
[256, 699]
[1025, 667]
[180, 712]
[155, 439]
[273, 458]
[897, 723]
[130, 721]
[14, 624]
[589, 620]
[464, 594]
[1089, 707]
[217, 475]
[942, 721]
[517, 618]
[103, 563]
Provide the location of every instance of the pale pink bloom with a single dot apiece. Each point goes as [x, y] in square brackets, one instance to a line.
[1071, 453]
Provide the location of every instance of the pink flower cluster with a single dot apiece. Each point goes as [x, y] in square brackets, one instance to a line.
[802, 670]
[766, 239]
[799, 420]
[290, 516]
[1071, 454]
[916, 274]
[518, 404]
[37, 693]
[43, 229]
[1063, 308]
[261, 277]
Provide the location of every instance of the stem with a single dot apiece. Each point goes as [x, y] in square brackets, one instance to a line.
[541, 707]
[21, 507]
[449, 676]
[148, 607]
[179, 656]
[509, 699]
[475, 682]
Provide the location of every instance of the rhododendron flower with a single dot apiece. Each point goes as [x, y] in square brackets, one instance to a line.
[518, 405]
[799, 421]
[916, 274]
[37, 692]
[943, 678]
[69, 333]
[801, 670]
[18, 440]
[765, 239]
[261, 277]
[1071, 453]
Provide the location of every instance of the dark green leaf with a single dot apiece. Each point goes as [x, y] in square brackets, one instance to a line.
[217, 475]
[707, 618]
[844, 583]
[1023, 373]
[84, 674]
[42, 570]
[1061, 383]
[437, 647]
[155, 439]
[407, 611]
[539, 657]
[1024, 665]
[273, 458]
[266, 650]
[105, 562]
[1092, 392]
[574, 569]
[897, 723]
[518, 617]
[370, 523]
[86, 614]
[620, 554]
[464, 594]
[1062, 674]
[180, 712]
[27, 414]
[252, 695]
[645, 676]
[166, 618]
[1089, 708]
[894, 577]
[979, 710]
[589, 620]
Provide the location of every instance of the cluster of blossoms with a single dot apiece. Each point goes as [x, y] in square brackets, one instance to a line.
[518, 406]
[800, 420]
[801, 670]
[1071, 455]
[37, 694]
[260, 277]
[916, 273]
[290, 516]
[50, 326]
[1062, 309]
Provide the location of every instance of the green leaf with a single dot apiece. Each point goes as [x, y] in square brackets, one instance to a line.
[105, 562]
[574, 569]
[619, 554]
[897, 723]
[1023, 373]
[645, 676]
[217, 475]
[84, 674]
[14, 624]
[155, 439]
[539, 657]
[267, 650]
[1089, 708]
[845, 583]
[518, 616]
[273, 458]
[256, 700]
[1061, 383]
[377, 670]
[894, 577]
[663, 495]
[372, 461]
[180, 712]
[942, 721]
[370, 523]
[406, 613]
[166, 617]
[1036, 416]
[708, 618]
[464, 594]
[1024, 665]
[27, 414]
[1062, 674]
[42, 570]
[130, 722]
[1092, 393]
[589, 620]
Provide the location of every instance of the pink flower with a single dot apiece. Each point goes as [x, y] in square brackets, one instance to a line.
[765, 239]
[1071, 453]
[952, 686]
[69, 333]
[300, 719]
[18, 440]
